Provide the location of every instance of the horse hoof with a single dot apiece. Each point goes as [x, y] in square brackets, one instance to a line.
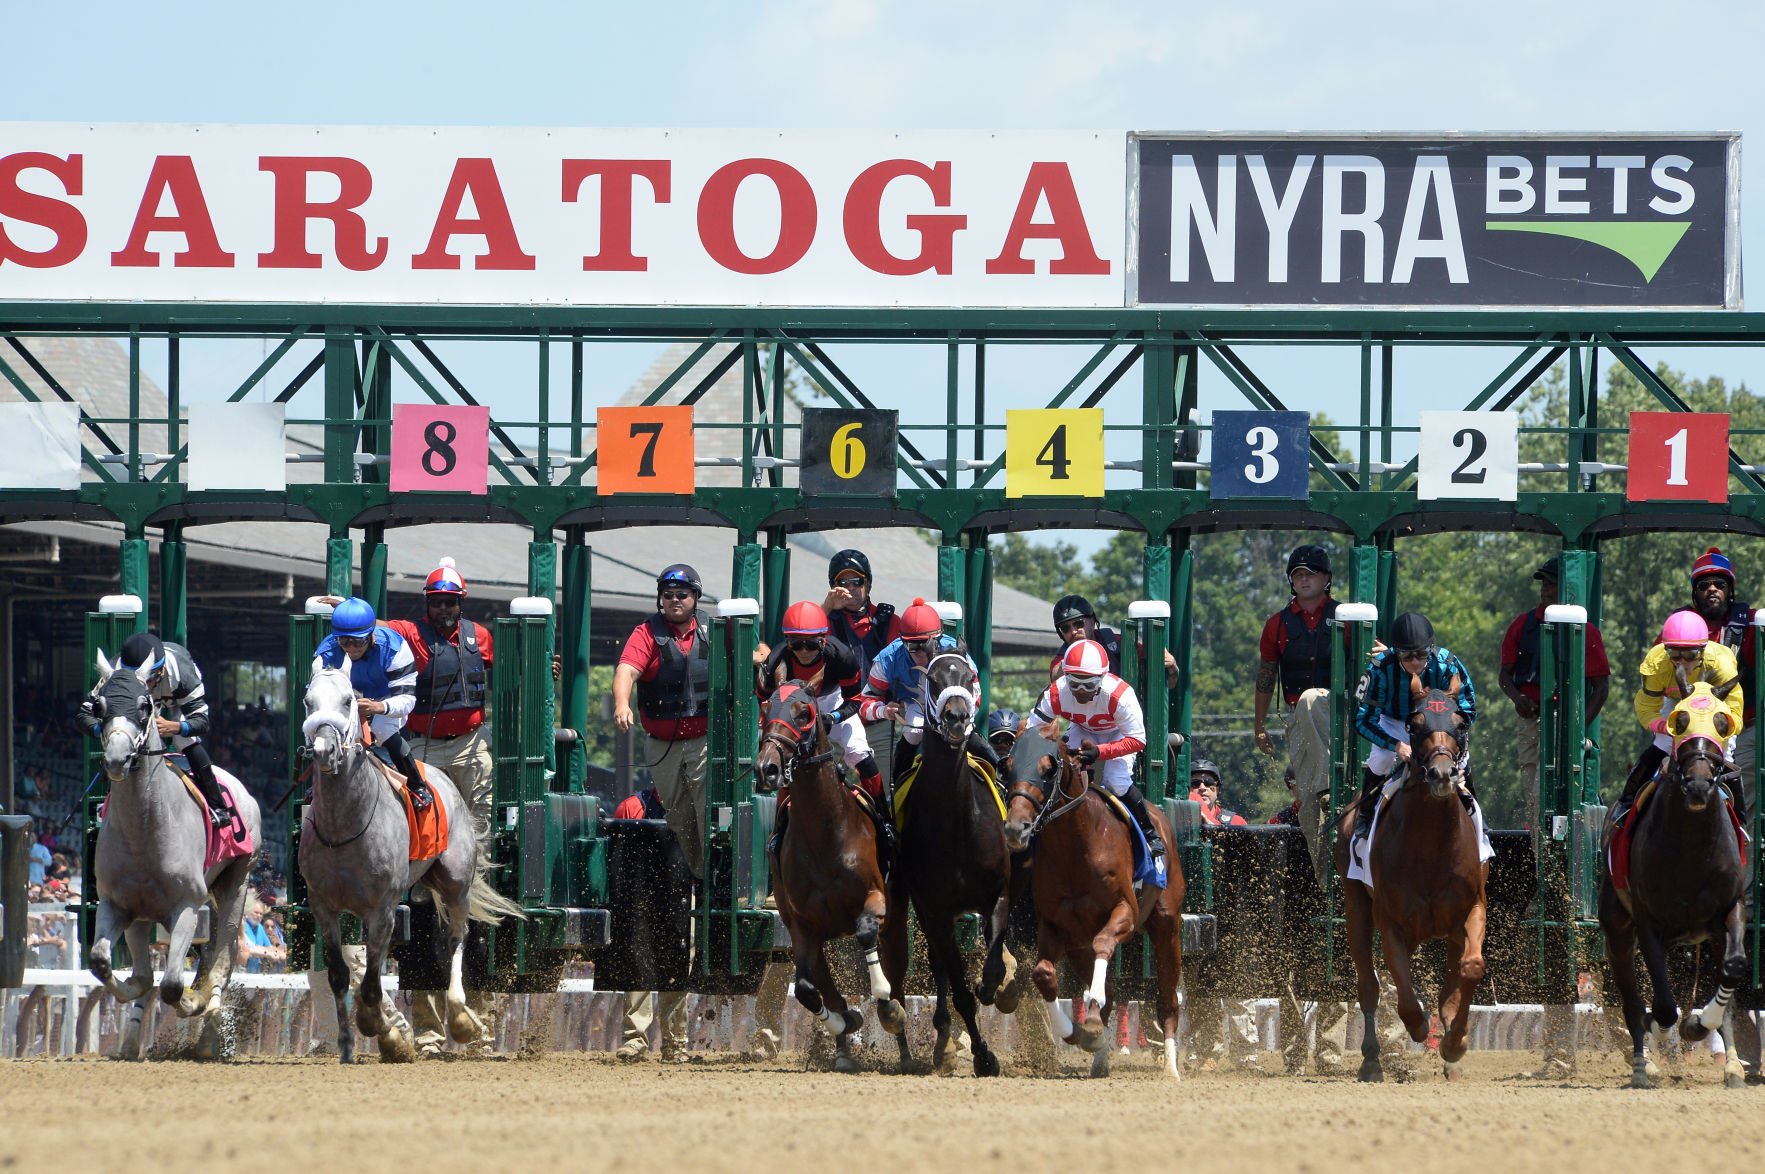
[987, 1064]
[1006, 1000]
[1371, 1072]
[1640, 1080]
[1734, 1076]
[396, 1048]
[845, 1062]
[892, 1016]
[1454, 1070]
[464, 1026]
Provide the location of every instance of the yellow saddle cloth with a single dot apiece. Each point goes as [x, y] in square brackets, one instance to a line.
[976, 763]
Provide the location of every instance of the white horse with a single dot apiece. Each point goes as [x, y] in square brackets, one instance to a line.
[355, 856]
[148, 867]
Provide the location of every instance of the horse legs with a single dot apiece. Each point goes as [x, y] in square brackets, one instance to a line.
[892, 948]
[1000, 967]
[337, 974]
[171, 987]
[1043, 975]
[216, 970]
[1620, 931]
[462, 1025]
[948, 959]
[1718, 1013]
[889, 1013]
[1103, 947]
[820, 996]
[1357, 907]
[372, 1015]
[1654, 957]
[1164, 929]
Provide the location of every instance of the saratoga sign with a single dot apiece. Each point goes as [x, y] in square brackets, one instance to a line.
[560, 216]
[1641, 221]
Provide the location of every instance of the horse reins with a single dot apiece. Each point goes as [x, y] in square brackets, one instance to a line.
[792, 749]
[1047, 811]
[347, 742]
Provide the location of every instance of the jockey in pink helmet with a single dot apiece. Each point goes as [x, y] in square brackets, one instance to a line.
[1684, 656]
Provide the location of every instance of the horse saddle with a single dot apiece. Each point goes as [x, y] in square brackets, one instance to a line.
[1148, 870]
[976, 763]
[428, 825]
[1621, 827]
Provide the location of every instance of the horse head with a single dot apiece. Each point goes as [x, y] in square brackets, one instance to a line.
[950, 704]
[1437, 735]
[791, 730]
[1029, 805]
[126, 707]
[1700, 725]
[333, 728]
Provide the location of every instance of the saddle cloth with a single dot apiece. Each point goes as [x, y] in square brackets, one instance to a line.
[429, 834]
[978, 764]
[1360, 854]
[1618, 837]
[1148, 870]
[224, 844]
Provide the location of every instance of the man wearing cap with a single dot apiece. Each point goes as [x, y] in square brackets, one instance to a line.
[172, 680]
[866, 628]
[453, 657]
[1730, 621]
[667, 659]
[1074, 619]
[1296, 648]
[1519, 680]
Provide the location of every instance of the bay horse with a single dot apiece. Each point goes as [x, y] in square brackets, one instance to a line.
[1687, 885]
[355, 857]
[1428, 881]
[148, 866]
[952, 860]
[1087, 904]
[825, 871]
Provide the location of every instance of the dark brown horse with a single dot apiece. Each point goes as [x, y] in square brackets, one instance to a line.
[1687, 885]
[1428, 880]
[953, 860]
[825, 873]
[1087, 905]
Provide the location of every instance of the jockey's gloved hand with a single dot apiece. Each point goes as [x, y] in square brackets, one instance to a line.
[1088, 752]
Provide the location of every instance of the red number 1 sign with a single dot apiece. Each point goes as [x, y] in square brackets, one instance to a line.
[1678, 456]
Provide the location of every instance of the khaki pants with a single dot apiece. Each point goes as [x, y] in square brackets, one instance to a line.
[678, 771]
[1308, 750]
[1526, 751]
[641, 1009]
[469, 763]
[323, 1003]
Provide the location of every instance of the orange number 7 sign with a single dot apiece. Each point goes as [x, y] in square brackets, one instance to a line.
[644, 450]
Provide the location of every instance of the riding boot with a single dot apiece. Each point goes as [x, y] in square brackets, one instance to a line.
[980, 746]
[1371, 783]
[1135, 802]
[780, 819]
[870, 778]
[906, 754]
[1646, 765]
[421, 796]
[220, 809]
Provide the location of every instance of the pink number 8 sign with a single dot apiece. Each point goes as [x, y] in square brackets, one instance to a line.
[440, 449]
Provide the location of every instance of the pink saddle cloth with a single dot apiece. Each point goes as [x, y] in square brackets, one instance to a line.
[224, 844]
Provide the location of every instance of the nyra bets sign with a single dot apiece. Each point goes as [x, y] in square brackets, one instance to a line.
[568, 216]
[1640, 221]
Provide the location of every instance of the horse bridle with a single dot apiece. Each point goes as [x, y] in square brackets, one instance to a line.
[1457, 752]
[1047, 811]
[794, 749]
[934, 706]
[137, 741]
[349, 743]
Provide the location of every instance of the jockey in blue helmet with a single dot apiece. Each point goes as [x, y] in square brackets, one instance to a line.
[384, 672]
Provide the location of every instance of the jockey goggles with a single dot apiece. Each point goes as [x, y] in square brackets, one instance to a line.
[1084, 682]
[1688, 655]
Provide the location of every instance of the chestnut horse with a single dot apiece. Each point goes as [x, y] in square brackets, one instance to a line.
[1087, 905]
[1428, 878]
[1687, 885]
[825, 873]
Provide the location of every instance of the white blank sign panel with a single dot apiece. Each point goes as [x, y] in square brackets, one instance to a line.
[237, 446]
[43, 446]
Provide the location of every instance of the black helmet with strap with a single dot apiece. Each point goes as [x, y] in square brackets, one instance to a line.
[1002, 721]
[1204, 766]
[847, 560]
[1308, 558]
[680, 575]
[1411, 632]
[1072, 607]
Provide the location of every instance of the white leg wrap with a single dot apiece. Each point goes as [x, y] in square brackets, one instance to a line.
[1170, 1058]
[1711, 1014]
[830, 1016]
[1057, 1018]
[1097, 995]
[879, 985]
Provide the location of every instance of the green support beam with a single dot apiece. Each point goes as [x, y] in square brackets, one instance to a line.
[173, 595]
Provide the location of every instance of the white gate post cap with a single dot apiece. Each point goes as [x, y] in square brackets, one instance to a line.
[316, 606]
[1356, 613]
[121, 605]
[1149, 609]
[739, 606]
[530, 605]
[1565, 613]
[948, 610]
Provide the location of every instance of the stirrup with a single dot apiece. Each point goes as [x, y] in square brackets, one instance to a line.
[222, 817]
[421, 796]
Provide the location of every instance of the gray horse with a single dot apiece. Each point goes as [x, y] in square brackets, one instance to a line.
[149, 867]
[355, 856]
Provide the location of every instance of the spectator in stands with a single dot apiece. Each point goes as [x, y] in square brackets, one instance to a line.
[255, 945]
[641, 1007]
[41, 858]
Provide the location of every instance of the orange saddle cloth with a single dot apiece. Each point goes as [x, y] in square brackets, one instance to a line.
[428, 826]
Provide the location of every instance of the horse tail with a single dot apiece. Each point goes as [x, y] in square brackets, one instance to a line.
[485, 904]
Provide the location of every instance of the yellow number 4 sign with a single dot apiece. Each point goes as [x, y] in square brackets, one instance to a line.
[1054, 452]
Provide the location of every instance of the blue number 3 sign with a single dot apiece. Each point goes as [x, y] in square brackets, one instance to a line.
[1261, 454]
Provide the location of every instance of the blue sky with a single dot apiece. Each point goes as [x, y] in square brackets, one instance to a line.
[1496, 66]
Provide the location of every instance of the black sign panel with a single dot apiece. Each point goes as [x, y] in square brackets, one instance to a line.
[848, 450]
[1639, 221]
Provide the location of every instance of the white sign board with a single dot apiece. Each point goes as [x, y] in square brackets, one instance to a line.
[562, 216]
[1469, 455]
[42, 449]
[237, 446]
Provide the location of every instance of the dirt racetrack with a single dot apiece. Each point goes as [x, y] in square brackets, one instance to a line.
[586, 1112]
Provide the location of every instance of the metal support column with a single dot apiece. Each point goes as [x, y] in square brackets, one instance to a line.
[173, 585]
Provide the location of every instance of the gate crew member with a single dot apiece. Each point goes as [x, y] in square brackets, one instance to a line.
[1296, 647]
[895, 688]
[1731, 624]
[668, 659]
[829, 671]
[1685, 647]
[175, 681]
[1519, 680]
[384, 674]
[1074, 619]
[1104, 725]
[1384, 695]
[865, 628]
[453, 657]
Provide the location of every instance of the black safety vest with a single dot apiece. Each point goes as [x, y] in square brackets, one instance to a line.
[682, 684]
[1305, 660]
[839, 626]
[1526, 653]
[455, 678]
[1739, 624]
